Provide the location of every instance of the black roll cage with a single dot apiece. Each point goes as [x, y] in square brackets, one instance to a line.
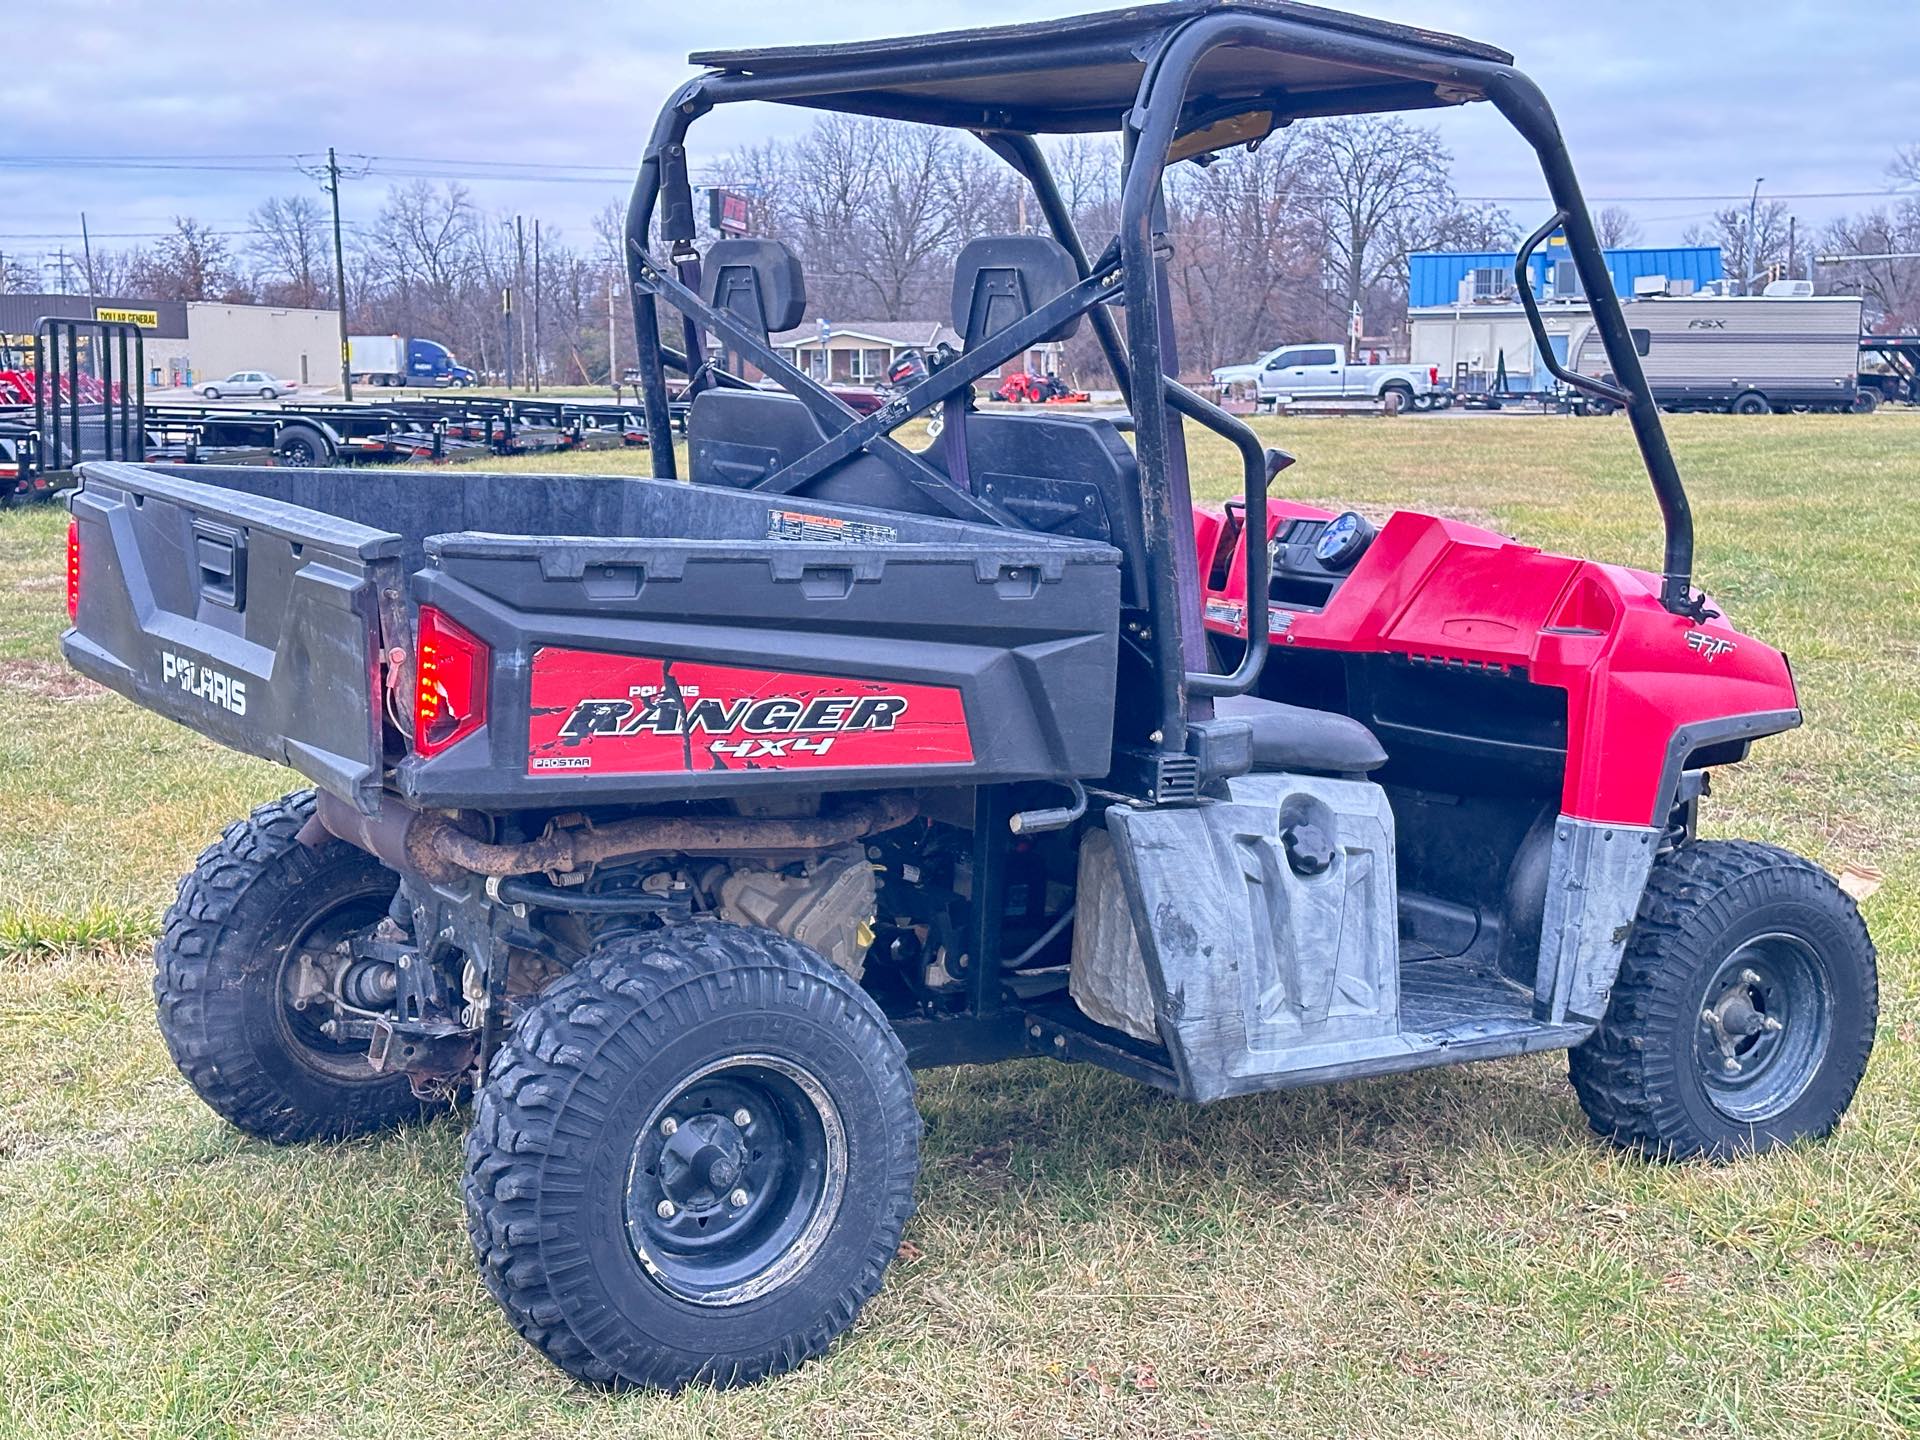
[1131, 273]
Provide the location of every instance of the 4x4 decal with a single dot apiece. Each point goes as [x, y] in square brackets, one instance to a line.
[627, 714]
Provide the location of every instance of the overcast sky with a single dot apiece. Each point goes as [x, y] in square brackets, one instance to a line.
[1657, 99]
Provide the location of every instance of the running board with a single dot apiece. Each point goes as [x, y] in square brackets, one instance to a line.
[1257, 938]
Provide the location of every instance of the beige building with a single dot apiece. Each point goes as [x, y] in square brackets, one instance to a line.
[863, 351]
[299, 345]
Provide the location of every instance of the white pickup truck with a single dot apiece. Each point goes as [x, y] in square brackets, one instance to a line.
[1321, 372]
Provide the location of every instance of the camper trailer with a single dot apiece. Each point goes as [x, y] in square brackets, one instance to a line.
[1749, 356]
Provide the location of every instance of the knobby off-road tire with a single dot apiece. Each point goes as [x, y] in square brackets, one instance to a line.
[1744, 1013]
[251, 900]
[692, 1159]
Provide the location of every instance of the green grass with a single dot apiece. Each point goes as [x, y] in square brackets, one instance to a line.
[1447, 1254]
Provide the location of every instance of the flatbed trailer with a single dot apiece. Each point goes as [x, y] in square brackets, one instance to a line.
[1899, 382]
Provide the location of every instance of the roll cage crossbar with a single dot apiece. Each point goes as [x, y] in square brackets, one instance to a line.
[1271, 58]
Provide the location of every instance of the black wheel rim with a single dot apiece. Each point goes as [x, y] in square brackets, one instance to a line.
[314, 936]
[1764, 1026]
[735, 1180]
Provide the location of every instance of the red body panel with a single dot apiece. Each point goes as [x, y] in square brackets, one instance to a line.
[1440, 590]
[629, 714]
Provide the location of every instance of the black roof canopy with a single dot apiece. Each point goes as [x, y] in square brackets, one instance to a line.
[1083, 73]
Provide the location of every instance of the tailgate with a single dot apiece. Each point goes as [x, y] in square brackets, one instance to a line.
[254, 622]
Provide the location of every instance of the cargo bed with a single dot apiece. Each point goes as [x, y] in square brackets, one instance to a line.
[645, 640]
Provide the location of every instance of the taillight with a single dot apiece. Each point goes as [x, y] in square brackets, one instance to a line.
[450, 695]
[73, 572]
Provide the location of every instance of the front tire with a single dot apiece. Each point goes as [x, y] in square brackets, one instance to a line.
[256, 901]
[1744, 1013]
[693, 1159]
[1753, 403]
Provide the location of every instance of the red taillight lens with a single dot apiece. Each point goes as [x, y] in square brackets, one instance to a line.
[73, 572]
[450, 694]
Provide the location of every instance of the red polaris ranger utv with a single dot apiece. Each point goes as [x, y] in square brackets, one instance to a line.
[680, 821]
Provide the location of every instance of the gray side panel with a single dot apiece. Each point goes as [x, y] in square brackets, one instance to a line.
[1594, 883]
[1259, 972]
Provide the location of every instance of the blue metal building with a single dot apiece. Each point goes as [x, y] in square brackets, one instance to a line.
[1436, 279]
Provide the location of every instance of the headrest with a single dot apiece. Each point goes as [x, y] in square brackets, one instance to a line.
[758, 282]
[1001, 279]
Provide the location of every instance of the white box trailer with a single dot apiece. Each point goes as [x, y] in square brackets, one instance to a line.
[1746, 355]
[1473, 345]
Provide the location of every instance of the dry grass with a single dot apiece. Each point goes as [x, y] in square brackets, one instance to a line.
[1441, 1255]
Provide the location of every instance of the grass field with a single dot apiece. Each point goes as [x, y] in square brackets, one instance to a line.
[1448, 1254]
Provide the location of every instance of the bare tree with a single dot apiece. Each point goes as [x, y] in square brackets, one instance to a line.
[1891, 288]
[1383, 191]
[18, 276]
[1618, 228]
[190, 262]
[422, 242]
[1244, 267]
[1748, 256]
[290, 246]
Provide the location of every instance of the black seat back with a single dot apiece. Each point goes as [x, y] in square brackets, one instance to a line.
[741, 437]
[758, 282]
[1065, 475]
[1001, 279]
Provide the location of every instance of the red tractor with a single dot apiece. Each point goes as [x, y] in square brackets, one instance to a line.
[1023, 388]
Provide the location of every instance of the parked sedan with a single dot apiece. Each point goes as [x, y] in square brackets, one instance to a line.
[249, 382]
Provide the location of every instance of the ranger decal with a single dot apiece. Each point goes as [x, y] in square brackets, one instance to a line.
[627, 714]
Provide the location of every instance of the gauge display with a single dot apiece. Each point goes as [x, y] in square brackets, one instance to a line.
[1343, 542]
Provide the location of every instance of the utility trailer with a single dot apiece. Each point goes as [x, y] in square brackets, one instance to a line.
[681, 821]
[387, 431]
[1890, 369]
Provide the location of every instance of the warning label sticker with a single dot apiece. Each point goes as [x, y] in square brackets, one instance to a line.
[800, 527]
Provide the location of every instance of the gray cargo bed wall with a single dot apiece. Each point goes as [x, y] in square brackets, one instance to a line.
[418, 504]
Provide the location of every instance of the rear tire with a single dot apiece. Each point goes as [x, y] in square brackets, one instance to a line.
[692, 1160]
[1866, 402]
[1753, 403]
[252, 901]
[1744, 1013]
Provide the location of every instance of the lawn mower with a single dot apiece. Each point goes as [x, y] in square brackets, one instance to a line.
[678, 823]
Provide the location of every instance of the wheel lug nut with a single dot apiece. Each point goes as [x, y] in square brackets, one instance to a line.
[1750, 977]
[1771, 1025]
[669, 1126]
[742, 1117]
[738, 1199]
[666, 1210]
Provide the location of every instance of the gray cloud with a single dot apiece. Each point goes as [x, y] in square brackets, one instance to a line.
[1656, 99]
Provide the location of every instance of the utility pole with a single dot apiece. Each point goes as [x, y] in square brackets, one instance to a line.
[613, 359]
[340, 276]
[86, 242]
[1753, 235]
[520, 283]
[537, 366]
[506, 332]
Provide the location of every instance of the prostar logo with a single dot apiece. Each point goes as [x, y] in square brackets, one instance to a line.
[1709, 647]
